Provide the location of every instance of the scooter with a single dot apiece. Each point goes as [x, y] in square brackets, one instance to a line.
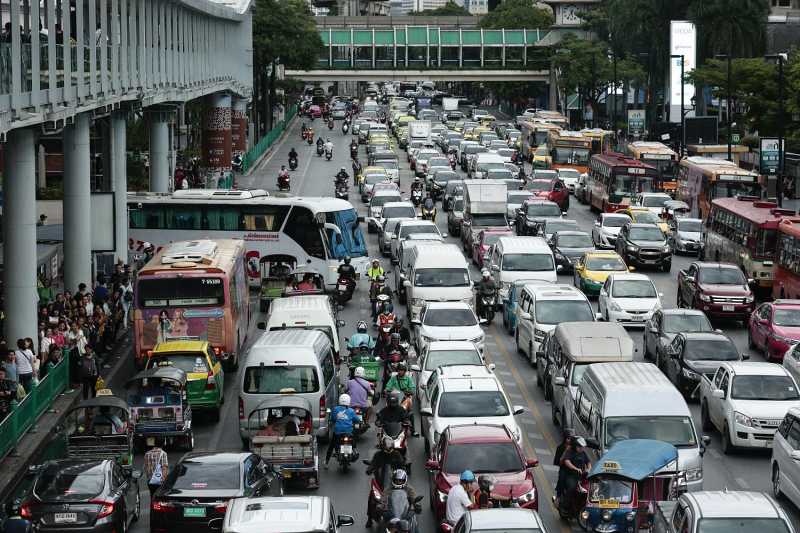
[452, 159]
[572, 505]
[293, 163]
[342, 192]
[328, 154]
[381, 506]
[310, 139]
[429, 214]
[416, 197]
[488, 306]
[283, 183]
[398, 432]
[345, 452]
[359, 428]
[397, 507]
[345, 128]
[344, 287]
[330, 124]
[320, 150]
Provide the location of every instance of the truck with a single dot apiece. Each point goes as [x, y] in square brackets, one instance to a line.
[449, 104]
[419, 130]
[484, 208]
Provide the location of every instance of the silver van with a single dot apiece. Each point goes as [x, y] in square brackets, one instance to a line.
[297, 362]
[437, 273]
[305, 312]
[299, 514]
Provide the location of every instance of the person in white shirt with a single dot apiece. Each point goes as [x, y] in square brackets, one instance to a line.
[24, 359]
[458, 499]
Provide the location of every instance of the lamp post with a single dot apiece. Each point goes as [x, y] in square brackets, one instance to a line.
[683, 115]
[779, 184]
[727, 57]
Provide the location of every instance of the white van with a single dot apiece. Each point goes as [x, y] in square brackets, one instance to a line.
[438, 273]
[514, 258]
[300, 514]
[484, 162]
[619, 401]
[296, 362]
[305, 312]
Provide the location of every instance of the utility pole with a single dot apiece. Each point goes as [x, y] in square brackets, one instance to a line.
[727, 57]
[781, 127]
[614, 109]
[683, 114]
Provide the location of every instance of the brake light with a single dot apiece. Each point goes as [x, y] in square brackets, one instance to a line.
[161, 507]
[241, 408]
[106, 509]
[221, 507]
[322, 406]
[149, 353]
[211, 384]
[25, 511]
[217, 350]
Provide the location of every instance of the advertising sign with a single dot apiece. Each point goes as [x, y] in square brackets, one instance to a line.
[682, 41]
[636, 119]
[770, 155]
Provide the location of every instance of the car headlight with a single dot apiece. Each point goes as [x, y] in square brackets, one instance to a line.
[690, 374]
[748, 299]
[630, 517]
[632, 248]
[694, 474]
[528, 496]
[442, 496]
[705, 297]
[742, 419]
[614, 306]
[666, 249]
[417, 302]
[607, 514]
[781, 338]
[476, 340]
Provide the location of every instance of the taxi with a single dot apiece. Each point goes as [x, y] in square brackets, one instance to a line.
[541, 158]
[204, 375]
[593, 268]
[642, 215]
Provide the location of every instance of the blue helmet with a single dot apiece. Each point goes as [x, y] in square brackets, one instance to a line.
[467, 476]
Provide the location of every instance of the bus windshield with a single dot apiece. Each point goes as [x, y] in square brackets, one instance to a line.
[171, 291]
[351, 241]
[625, 185]
[572, 156]
[666, 168]
[728, 189]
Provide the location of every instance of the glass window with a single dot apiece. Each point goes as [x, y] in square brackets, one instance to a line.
[280, 379]
[199, 475]
[710, 350]
[71, 483]
[495, 458]
[676, 430]
[222, 218]
[741, 525]
[793, 438]
[634, 289]
[441, 277]
[148, 217]
[557, 311]
[327, 368]
[439, 358]
[183, 217]
[179, 292]
[264, 218]
[449, 318]
[617, 490]
[473, 404]
[776, 388]
[303, 229]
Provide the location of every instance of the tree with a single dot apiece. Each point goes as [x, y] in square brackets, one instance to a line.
[517, 14]
[736, 27]
[450, 9]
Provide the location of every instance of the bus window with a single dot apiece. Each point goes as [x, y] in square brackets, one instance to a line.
[223, 218]
[303, 229]
[182, 217]
[150, 216]
[265, 218]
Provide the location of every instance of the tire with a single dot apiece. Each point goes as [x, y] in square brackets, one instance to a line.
[137, 512]
[489, 316]
[727, 447]
[553, 415]
[679, 299]
[214, 414]
[566, 204]
[531, 354]
[548, 393]
[427, 448]
[516, 340]
[189, 444]
[539, 382]
[667, 266]
[776, 483]
[245, 444]
[705, 419]
[506, 324]
[750, 343]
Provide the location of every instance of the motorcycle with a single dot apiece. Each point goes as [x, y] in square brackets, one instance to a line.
[293, 163]
[398, 432]
[283, 183]
[397, 507]
[330, 124]
[416, 197]
[345, 128]
[342, 192]
[320, 150]
[488, 305]
[379, 501]
[353, 151]
[328, 154]
[344, 287]
[236, 163]
[345, 452]
[310, 139]
[359, 428]
[452, 159]
[429, 214]
[572, 505]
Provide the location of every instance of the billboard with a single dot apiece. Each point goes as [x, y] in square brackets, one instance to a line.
[636, 122]
[682, 41]
[769, 155]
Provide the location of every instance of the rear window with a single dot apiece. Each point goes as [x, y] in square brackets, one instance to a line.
[188, 362]
[280, 379]
[71, 483]
[199, 475]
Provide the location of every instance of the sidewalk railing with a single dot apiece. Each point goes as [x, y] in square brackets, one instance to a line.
[249, 159]
[25, 414]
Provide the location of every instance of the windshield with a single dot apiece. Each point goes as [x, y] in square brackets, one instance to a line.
[568, 173]
[280, 379]
[488, 220]
[633, 288]
[787, 317]
[372, 179]
[678, 323]
[79, 482]
[449, 318]
[441, 277]
[387, 164]
[553, 226]
[574, 241]
[446, 176]
[646, 217]
[173, 291]
[646, 234]
[351, 241]
[557, 311]
[615, 222]
[475, 149]
[528, 263]
[611, 489]
[626, 186]
[458, 206]
[741, 525]
[721, 276]
[543, 210]
[499, 174]
[410, 229]
[437, 358]
[492, 238]
[675, 430]
[191, 363]
[538, 185]
[710, 350]
[199, 475]
[516, 198]
[655, 201]
[571, 156]
[605, 264]
[577, 374]
[496, 458]
[400, 211]
[438, 162]
[778, 388]
[472, 404]
[690, 226]
[378, 201]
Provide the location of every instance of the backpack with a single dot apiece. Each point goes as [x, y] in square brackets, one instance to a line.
[158, 475]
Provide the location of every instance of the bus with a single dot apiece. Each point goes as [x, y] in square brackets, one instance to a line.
[702, 179]
[662, 157]
[786, 283]
[534, 135]
[316, 232]
[569, 149]
[602, 140]
[744, 231]
[615, 179]
[193, 289]
[552, 117]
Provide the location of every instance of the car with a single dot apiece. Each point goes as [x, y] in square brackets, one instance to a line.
[370, 177]
[483, 242]
[508, 520]
[376, 203]
[686, 235]
[447, 321]
[514, 201]
[718, 289]
[315, 111]
[339, 111]
[455, 216]
[644, 245]
[550, 189]
[652, 201]
[385, 235]
[591, 270]
[568, 246]
[664, 324]
[642, 215]
[746, 402]
[509, 305]
[486, 449]
[421, 159]
[97, 495]
[606, 229]
[300, 514]
[439, 180]
[774, 327]
[692, 354]
[409, 227]
[456, 395]
[201, 484]
[533, 214]
[402, 209]
[554, 225]
[452, 189]
[581, 188]
[445, 353]
[785, 460]
[628, 298]
[570, 178]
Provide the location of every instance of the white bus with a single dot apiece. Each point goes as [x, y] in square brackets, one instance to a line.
[316, 232]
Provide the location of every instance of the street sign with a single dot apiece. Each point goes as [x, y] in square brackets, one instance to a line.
[636, 119]
[736, 138]
[770, 155]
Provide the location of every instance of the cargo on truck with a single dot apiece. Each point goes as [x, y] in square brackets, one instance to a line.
[419, 130]
[449, 104]
[484, 208]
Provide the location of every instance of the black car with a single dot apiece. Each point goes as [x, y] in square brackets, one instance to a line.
[439, 182]
[664, 324]
[644, 245]
[691, 355]
[198, 488]
[532, 215]
[83, 495]
[568, 247]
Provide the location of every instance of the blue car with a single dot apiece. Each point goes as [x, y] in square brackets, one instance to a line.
[511, 301]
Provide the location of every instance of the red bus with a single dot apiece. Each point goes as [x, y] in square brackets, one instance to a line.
[614, 179]
[787, 260]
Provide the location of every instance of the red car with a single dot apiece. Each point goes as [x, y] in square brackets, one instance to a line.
[774, 327]
[484, 449]
[718, 289]
[550, 189]
[484, 241]
[314, 111]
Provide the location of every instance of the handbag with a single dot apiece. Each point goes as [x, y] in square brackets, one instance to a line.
[99, 384]
[158, 475]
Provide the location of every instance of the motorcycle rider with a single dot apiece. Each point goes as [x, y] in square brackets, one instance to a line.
[459, 499]
[293, 155]
[375, 271]
[342, 418]
[400, 482]
[283, 174]
[384, 349]
[393, 413]
[320, 145]
[328, 146]
[403, 383]
[429, 205]
[483, 496]
[342, 176]
[386, 456]
[416, 185]
[574, 462]
[565, 445]
[356, 171]
[348, 272]
[361, 337]
[360, 391]
[377, 289]
[485, 287]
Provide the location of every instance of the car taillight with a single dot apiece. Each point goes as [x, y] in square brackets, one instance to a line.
[161, 507]
[217, 350]
[221, 507]
[25, 511]
[241, 408]
[210, 383]
[106, 508]
[322, 406]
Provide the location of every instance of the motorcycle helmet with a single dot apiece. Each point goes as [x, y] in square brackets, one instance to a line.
[343, 170]
[485, 483]
[580, 441]
[401, 365]
[396, 337]
[416, 179]
[347, 260]
[376, 262]
[485, 274]
[388, 308]
[361, 327]
[387, 443]
[467, 476]
[359, 372]
[393, 400]
[283, 167]
[328, 140]
[344, 399]
[399, 478]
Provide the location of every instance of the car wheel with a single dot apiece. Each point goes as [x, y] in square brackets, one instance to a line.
[189, 444]
[531, 354]
[566, 204]
[427, 446]
[644, 348]
[123, 526]
[750, 343]
[245, 444]
[137, 511]
[516, 340]
[776, 482]
[553, 414]
[548, 392]
[667, 266]
[727, 447]
[704, 418]
[679, 299]
[539, 382]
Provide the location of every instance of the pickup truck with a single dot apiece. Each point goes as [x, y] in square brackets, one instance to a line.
[718, 289]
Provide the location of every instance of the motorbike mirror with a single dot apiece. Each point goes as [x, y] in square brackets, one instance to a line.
[491, 367]
[416, 322]
[426, 411]
[406, 283]
[432, 464]
[482, 321]
[518, 409]
[495, 268]
[262, 325]
[418, 499]
[340, 323]
[347, 339]
[560, 381]
[415, 368]
[215, 524]
[344, 520]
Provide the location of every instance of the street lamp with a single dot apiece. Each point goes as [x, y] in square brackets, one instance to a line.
[779, 184]
[728, 103]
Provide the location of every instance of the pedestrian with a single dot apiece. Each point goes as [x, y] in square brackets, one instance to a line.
[8, 392]
[88, 372]
[127, 300]
[10, 367]
[156, 466]
[24, 359]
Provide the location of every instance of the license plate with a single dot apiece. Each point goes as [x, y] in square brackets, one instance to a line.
[609, 504]
[65, 518]
[286, 474]
[637, 319]
[194, 512]
[728, 308]
[346, 449]
[342, 287]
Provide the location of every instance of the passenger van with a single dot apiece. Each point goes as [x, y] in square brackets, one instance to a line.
[573, 347]
[516, 257]
[405, 257]
[438, 273]
[485, 162]
[305, 312]
[297, 362]
[269, 514]
[618, 401]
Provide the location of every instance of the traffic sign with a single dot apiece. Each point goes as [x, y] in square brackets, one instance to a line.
[770, 155]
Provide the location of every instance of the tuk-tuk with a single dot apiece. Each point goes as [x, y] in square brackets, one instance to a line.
[159, 407]
[303, 281]
[99, 428]
[281, 433]
[275, 270]
[675, 209]
[626, 483]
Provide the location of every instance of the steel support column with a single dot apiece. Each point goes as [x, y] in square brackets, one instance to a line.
[119, 181]
[77, 204]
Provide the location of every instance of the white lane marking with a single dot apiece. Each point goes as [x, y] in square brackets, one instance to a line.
[713, 453]
[549, 468]
[535, 436]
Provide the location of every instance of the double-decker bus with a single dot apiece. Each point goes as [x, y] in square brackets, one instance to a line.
[662, 157]
[316, 232]
[193, 289]
[744, 231]
[786, 283]
[615, 179]
[702, 179]
[602, 140]
[569, 149]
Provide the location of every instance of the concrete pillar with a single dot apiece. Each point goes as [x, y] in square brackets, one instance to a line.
[119, 182]
[41, 167]
[217, 133]
[77, 203]
[239, 126]
[552, 101]
[19, 226]
[159, 151]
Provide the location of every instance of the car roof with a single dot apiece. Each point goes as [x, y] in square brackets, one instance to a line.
[447, 305]
[478, 433]
[614, 215]
[785, 304]
[551, 291]
[734, 504]
[642, 224]
[681, 311]
[709, 264]
[397, 204]
[522, 244]
[216, 457]
[630, 276]
[595, 341]
[602, 253]
[387, 192]
[755, 368]
[291, 514]
[508, 519]
[173, 346]
[705, 335]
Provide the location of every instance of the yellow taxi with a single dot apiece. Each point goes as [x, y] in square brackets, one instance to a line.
[487, 120]
[541, 158]
[593, 268]
[642, 215]
[204, 376]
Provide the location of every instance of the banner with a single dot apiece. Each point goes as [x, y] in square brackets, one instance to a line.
[636, 119]
[682, 41]
[769, 155]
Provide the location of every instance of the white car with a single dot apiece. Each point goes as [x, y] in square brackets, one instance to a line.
[686, 235]
[746, 402]
[570, 178]
[409, 227]
[514, 201]
[606, 229]
[445, 353]
[629, 299]
[376, 203]
[653, 201]
[448, 321]
[457, 395]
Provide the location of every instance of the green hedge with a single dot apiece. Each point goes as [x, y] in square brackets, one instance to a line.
[269, 139]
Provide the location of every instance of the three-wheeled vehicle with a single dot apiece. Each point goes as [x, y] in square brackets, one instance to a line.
[303, 281]
[626, 483]
[281, 433]
[159, 407]
[675, 209]
[275, 270]
[99, 428]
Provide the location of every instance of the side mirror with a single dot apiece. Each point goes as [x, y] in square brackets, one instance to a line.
[426, 411]
[262, 325]
[495, 268]
[654, 331]
[751, 282]
[795, 455]
[491, 367]
[745, 357]
[531, 463]
[598, 316]
[415, 368]
[482, 321]
[340, 323]
[689, 279]
[344, 520]
[660, 294]
[560, 381]
[705, 439]
[416, 322]
[525, 315]
[718, 394]
[597, 223]
[631, 268]
[431, 464]
[406, 283]
[518, 410]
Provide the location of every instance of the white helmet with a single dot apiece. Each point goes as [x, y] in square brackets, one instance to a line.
[359, 373]
[344, 400]
[485, 273]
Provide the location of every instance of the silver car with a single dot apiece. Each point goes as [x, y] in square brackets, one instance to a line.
[687, 235]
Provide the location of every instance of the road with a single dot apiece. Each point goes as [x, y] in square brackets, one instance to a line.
[743, 470]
